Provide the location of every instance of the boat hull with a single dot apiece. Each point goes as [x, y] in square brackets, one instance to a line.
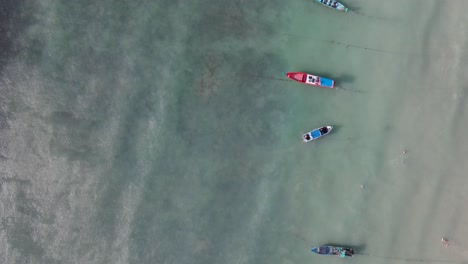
[311, 79]
[333, 251]
[317, 133]
[333, 4]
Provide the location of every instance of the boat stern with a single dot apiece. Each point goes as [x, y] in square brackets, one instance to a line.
[328, 83]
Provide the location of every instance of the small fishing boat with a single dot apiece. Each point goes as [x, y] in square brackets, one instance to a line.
[333, 251]
[333, 4]
[310, 79]
[316, 133]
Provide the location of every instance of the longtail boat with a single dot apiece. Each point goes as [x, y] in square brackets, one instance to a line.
[333, 251]
[333, 4]
[310, 79]
[316, 133]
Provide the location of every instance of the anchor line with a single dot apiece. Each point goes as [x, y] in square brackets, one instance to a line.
[349, 45]
[349, 90]
[364, 15]
[408, 259]
[269, 78]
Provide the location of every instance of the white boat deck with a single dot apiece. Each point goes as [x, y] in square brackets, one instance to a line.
[312, 79]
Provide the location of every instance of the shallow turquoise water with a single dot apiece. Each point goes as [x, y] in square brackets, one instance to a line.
[155, 132]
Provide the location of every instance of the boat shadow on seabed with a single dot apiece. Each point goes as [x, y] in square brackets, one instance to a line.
[356, 248]
[355, 9]
[342, 81]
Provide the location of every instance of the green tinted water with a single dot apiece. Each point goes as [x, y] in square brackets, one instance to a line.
[153, 132]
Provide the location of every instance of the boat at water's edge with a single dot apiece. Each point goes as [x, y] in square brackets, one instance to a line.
[310, 79]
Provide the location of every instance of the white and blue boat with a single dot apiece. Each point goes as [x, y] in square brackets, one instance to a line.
[333, 4]
[316, 133]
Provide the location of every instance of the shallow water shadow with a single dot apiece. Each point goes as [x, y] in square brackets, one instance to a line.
[339, 79]
[351, 7]
[356, 9]
[336, 129]
[342, 81]
[357, 248]
[11, 24]
[344, 78]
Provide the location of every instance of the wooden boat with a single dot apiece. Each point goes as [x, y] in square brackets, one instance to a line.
[310, 79]
[333, 4]
[333, 251]
[316, 133]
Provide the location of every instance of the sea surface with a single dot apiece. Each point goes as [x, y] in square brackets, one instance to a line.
[165, 131]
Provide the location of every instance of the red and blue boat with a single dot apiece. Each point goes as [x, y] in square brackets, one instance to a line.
[310, 79]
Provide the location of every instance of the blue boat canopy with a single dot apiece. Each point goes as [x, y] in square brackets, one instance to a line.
[316, 133]
[326, 82]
